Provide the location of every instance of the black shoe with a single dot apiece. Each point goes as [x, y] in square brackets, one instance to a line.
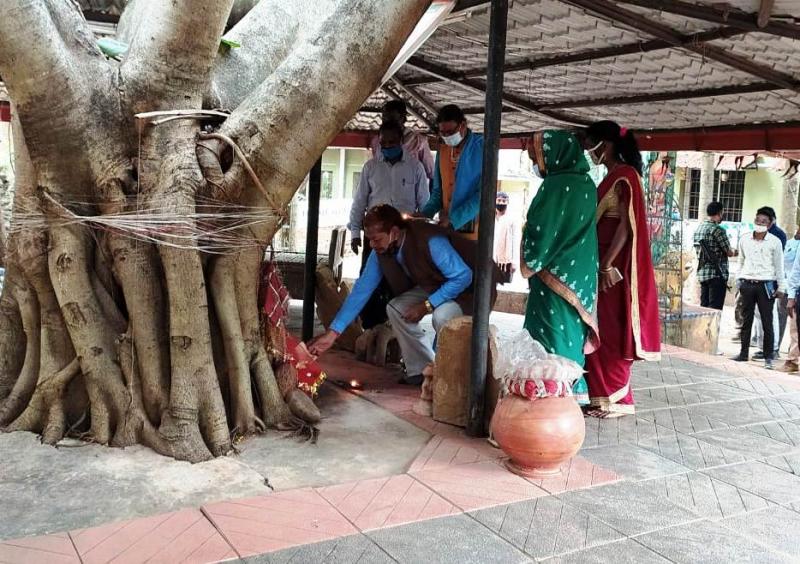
[776, 356]
[415, 380]
[759, 355]
[768, 364]
[740, 358]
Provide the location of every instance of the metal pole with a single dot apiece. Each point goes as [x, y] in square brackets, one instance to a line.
[312, 238]
[484, 272]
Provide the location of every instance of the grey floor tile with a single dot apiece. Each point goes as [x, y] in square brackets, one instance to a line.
[748, 444]
[705, 542]
[628, 429]
[629, 508]
[748, 412]
[758, 386]
[355, 549]
[761, 479]
[784, 431]
[627, 551]
[682, 420]
[706, 496]
[631, 461]
[777, 528]
[692, 394]
[546, 527]
[788, 462]
[658, 378]
[793, 397]
[691, 452]
[458, 539]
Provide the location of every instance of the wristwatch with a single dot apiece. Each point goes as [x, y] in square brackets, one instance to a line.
[429, 306]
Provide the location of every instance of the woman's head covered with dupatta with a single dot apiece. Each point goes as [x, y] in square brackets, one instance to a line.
[557, 152]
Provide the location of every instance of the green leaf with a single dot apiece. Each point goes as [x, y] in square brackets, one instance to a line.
[230, 43]
[112, 47]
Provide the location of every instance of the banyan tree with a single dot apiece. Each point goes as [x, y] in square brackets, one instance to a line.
[148, 184]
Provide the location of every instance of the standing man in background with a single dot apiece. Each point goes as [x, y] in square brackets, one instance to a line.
[456, 184]
[393, 177]
[713, 249]
[414, 144]
[506, 239]
[789, 262]
[761, 280]
[779, 312]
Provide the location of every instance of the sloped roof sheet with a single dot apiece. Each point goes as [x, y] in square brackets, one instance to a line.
[567, 63]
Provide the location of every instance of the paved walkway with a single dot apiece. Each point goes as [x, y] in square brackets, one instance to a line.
[708, 471]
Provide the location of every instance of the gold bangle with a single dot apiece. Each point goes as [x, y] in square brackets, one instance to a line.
[429, 306]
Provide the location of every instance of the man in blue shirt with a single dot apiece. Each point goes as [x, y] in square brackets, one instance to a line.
[395, 177]
[790, 262]
[427, 275]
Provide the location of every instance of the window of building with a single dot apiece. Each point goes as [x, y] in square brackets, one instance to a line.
[729, 191]
[326, 189]
[693, 210]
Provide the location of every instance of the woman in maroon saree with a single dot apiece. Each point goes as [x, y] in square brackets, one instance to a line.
[627, 307]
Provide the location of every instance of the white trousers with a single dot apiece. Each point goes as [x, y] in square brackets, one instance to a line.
[415, 345]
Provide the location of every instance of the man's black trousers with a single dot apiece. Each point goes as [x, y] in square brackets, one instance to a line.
[755, 294]
[712, 293]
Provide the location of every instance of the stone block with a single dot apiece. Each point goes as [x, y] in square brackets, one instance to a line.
[695, 328]
[451, 373]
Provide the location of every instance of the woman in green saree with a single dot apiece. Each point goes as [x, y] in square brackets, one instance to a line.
[559, 250]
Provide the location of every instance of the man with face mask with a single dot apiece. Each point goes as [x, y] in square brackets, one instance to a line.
[456, 183]
[429, 270]
[506, 239]
[393, 177]
[414, 144]
[761, 281]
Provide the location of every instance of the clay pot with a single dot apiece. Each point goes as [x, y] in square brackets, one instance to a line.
[538, 435]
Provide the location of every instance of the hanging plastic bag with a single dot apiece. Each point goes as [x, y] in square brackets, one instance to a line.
[528, 370]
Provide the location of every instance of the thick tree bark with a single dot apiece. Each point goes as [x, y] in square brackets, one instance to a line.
[136, 242]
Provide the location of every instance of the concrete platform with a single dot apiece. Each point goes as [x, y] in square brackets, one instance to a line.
[45, 489]
[708, 470]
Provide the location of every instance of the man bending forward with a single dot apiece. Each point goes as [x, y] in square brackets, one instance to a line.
[428, 272]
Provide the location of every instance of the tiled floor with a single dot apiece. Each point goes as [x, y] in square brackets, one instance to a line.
[707, 471]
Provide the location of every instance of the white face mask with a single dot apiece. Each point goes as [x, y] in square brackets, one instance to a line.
[535, 170]
[595, 159]
[453, 140]
[760, 228]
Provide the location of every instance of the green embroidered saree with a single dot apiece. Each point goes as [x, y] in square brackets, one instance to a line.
[559, 245]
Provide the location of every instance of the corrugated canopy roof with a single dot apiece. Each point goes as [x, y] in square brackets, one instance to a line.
[643, 63]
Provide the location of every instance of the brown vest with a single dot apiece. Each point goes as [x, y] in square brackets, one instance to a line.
[422, 271]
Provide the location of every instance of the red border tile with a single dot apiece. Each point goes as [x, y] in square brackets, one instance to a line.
[55, 549]
[277, 521]
[386, 502]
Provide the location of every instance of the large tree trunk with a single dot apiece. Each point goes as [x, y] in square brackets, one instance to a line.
[134, 253]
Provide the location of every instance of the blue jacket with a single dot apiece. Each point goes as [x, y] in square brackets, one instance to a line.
[466, 201]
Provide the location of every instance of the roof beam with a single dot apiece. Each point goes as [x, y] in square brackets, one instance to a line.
[612, 12]
[764, 13]
[726, 15]
[593, 54]
[663, 96]
[462, 5]
[426, 116]
[479, 86]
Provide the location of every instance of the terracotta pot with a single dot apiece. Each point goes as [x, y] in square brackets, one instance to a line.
[538, 435]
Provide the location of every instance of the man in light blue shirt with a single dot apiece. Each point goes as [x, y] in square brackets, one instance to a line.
[392, 177]
[427, 274]
[792, 268]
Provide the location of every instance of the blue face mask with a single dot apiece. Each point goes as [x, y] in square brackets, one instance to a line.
[392, 153]
[535, 171]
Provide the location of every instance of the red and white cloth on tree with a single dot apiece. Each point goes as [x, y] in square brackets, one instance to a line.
[274, 301]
